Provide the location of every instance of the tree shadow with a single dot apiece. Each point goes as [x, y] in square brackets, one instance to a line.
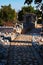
[21, 54]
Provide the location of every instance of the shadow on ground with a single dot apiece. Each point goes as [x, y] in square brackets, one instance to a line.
[21, 54]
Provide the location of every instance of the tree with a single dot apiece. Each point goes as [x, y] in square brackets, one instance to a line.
[38, 2]
[38, 13]
[30, 1]
[28, 9]
[7, 13]
[20, 15]
[1, 22]
[24, 10]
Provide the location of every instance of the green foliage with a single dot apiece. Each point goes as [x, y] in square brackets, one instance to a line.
[25, 9]
[38, 1]
[30, 1]
[7, 13]
[28, 9]
[38, 13]
[20, 15]
[1, 22]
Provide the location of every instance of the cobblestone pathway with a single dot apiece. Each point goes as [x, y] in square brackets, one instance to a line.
[24, 55]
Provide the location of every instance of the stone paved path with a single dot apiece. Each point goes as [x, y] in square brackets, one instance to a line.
[24, 54]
